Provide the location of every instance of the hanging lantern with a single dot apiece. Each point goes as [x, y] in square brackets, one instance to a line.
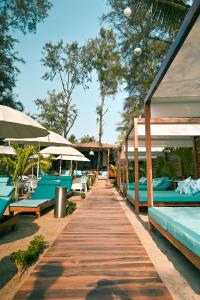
[91, 152]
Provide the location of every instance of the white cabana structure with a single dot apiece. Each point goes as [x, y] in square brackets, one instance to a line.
[164, 133]
[15, 124]
[7, 150]
[142, 152]
[175, 94]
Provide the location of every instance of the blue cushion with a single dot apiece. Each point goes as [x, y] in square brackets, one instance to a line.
[143, 187]
[164, 186]
[48, 182]
[6, 191]
[157, 182]
[166, 196]
[49, 177]
[46, 189]
[4, 179]
[29, 203]
[4, 202]
[181, 222]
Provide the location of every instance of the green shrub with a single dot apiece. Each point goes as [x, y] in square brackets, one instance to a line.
[83, 195]
[25, 258]
[88, 184]
[70, 208]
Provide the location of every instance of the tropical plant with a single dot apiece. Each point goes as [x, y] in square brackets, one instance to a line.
[72, 139]
[106, 62]
[71, 208]
[87, 139]
[165, 168]
[186, 158]
[151, 27]
[23, 161]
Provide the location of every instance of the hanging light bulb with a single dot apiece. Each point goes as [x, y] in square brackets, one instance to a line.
[91, 152]
[127, 12]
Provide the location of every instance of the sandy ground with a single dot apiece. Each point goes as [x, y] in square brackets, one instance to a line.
[28, 227]
[179, 275]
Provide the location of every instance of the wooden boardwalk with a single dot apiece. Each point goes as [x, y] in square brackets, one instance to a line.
[98, 255]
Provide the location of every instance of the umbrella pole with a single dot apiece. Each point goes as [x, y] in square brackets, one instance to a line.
[71, 167]
[38, 164]
[60, 171]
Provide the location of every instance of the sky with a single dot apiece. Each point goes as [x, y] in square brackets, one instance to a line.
[69, 20]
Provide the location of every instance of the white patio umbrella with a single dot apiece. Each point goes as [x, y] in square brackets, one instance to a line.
[7, 150]
[73, 158]
[53, 139]
[67, 151]
[15, 124]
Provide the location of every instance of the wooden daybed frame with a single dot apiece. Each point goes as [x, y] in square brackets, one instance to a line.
[195, 259]
[161, 204]
[36, 210]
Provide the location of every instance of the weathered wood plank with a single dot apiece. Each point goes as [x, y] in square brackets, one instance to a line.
[98, 255]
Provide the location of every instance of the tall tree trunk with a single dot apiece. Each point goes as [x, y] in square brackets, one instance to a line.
[101, 115]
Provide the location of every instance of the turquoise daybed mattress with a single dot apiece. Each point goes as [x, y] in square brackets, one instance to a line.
[30, 203]
[183, 223]
[166, 196]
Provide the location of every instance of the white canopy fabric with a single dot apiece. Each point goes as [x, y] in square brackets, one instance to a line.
[52, 139]
[61, 151]
[156, 151]
[178, 94]
[15, 124]
[73, 158]
[167, 135]
[7, 150]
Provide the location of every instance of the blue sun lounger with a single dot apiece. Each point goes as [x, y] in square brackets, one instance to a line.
[6, 222]
[42, 198]
[65, 181]
[181, 226]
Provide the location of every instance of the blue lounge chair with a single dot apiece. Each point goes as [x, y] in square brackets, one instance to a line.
[181, 226]
[6, 222]
[65, 181]
[42, 198]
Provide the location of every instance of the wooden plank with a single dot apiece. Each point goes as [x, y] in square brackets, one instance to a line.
[98, 255]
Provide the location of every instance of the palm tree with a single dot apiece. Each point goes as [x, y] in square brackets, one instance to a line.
[21, 163]
[168, 14]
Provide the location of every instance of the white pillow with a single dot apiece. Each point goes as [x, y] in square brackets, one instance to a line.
[198, 184]
[194, 186]
[143, 180]
[180, 189]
